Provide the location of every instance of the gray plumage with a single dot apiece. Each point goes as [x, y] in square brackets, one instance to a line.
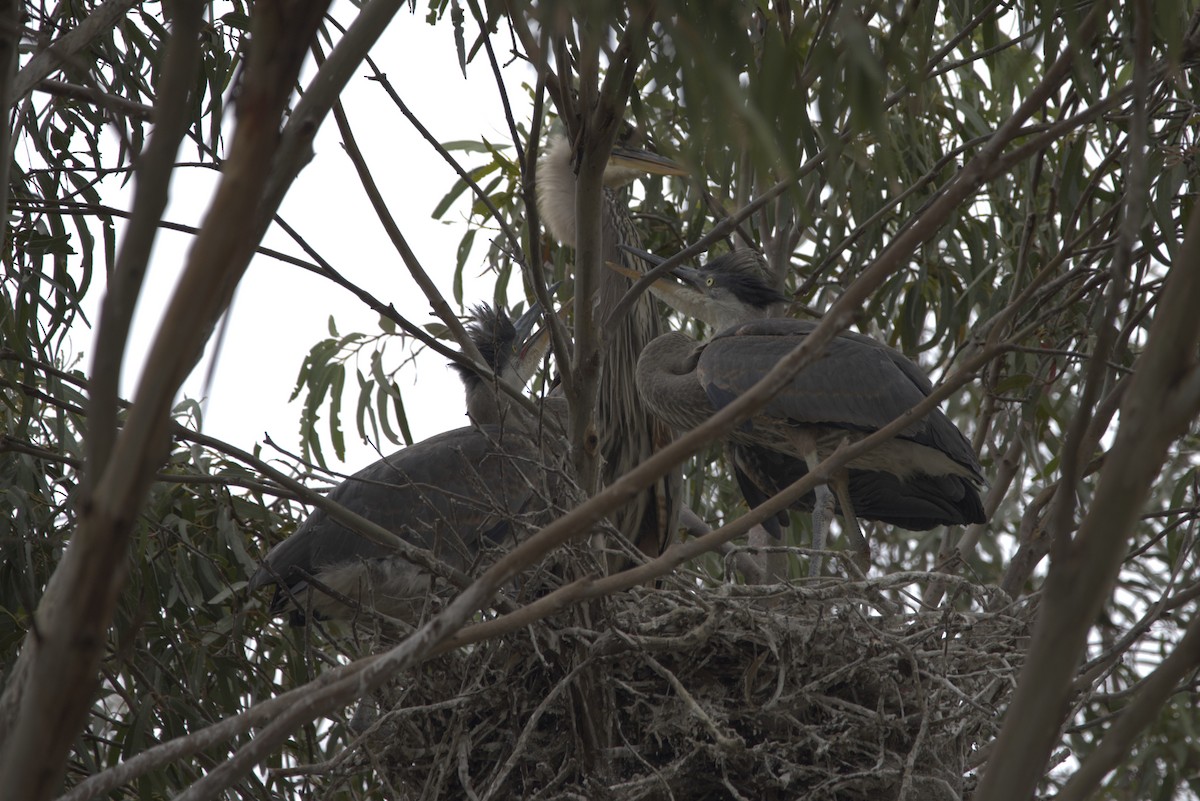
[856, 386]
[629, 433]
[457, 494]
[927, 476]
[917, 503]
[492, 474]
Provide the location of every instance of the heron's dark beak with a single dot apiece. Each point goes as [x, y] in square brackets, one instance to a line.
[693, 278]
[686, 296]
[644, 161]
[523, 326]
[525, 323]
[652, 259]
[531, 347]
[528, 349]
[687, 275]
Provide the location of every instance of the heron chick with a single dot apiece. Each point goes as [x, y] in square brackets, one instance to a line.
[455, 494]
[926, 476]
[509, 350]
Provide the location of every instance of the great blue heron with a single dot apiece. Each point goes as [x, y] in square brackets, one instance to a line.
[454, 494]
[508, 349]
[927, 476]
[628, 432]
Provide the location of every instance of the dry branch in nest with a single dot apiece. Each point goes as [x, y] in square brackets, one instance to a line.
[706, 692]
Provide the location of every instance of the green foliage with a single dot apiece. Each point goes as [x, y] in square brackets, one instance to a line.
[322, 378]
[867, 110]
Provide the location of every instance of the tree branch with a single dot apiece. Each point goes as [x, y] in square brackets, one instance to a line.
[439, 305]
[11, 14]
[90, 94]
[559, 339]
[50, 688]
[1143, 710]
[64, 49]
[154, 171]
[1081, 577]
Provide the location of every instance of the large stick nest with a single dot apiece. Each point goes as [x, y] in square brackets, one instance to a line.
[700, 692]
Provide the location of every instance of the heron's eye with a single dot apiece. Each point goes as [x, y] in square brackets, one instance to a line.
[710, 281]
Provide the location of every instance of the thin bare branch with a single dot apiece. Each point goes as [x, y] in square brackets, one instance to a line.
[1081, 578]
[90, 94]
[154, 171]
[436, 302]
[464, 176]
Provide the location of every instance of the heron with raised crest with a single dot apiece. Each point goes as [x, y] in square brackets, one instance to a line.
[455, 494]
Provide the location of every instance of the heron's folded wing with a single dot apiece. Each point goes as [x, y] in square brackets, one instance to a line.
[444, 493]
[856, 383]
[849, 385]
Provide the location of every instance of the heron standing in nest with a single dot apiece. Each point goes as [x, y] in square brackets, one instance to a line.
[927, 476]
[628, 432]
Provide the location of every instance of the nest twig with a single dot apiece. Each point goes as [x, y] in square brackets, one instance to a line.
[700, 692]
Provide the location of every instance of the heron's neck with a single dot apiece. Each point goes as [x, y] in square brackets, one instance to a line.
[723, 317]
[556, 191]
[667, 384]
[717, 315]
[487, 403]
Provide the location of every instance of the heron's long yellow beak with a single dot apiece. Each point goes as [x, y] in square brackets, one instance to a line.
[536, 346]
[673, 293]
[684, 299]
[644, 161]
[625, 271]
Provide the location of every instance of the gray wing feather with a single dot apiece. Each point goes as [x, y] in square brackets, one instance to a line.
[917, 504]
[445, 493]
[857, 383]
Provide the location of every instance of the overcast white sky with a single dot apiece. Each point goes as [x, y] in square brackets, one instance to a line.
[280, 310]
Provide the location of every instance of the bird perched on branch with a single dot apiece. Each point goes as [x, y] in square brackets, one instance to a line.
[628, 432]
[455, 495]
[926, 476]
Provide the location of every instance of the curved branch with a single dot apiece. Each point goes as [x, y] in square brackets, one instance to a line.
[384, 215]
[382, 79]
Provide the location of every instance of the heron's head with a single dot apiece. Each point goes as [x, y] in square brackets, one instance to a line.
[556, 179]
[502, 342]
[627, 164]
[724, 292]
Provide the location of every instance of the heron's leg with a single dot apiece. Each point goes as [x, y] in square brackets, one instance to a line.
[862, 548]
[822, 516]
